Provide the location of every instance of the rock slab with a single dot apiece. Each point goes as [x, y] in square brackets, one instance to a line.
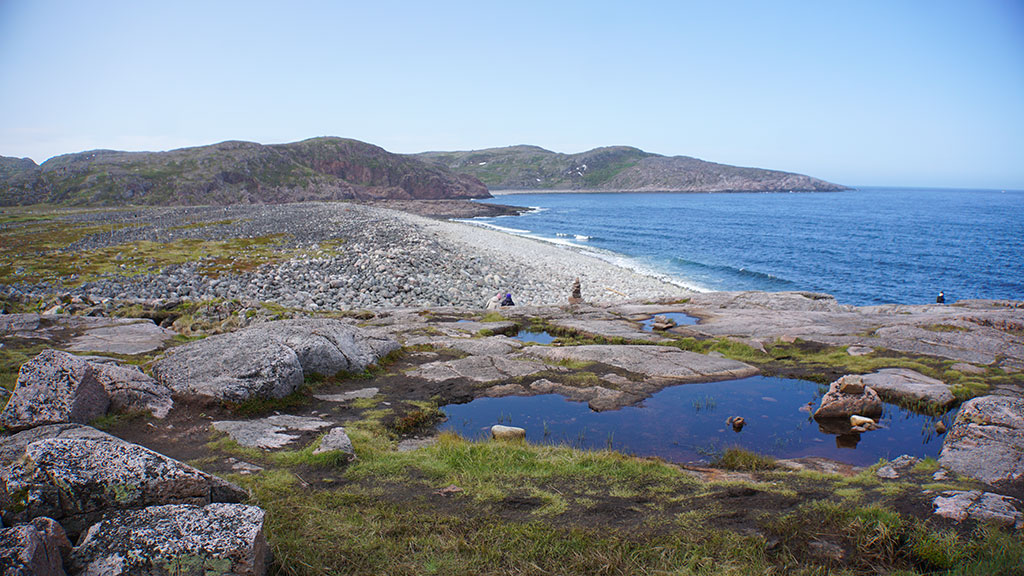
[75, 474]
[901, 384]
[38, 548]
[661, 363]
[269, 360]
[270, 432]
[986, 441]
[176, 540]
[52, 388]
[980, 506]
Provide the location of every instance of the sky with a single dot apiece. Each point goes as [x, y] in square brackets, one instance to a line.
[863, 93]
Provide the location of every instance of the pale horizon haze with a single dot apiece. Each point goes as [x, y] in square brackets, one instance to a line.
[869, 93]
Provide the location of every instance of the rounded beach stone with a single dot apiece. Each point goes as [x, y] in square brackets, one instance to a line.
[499, 432]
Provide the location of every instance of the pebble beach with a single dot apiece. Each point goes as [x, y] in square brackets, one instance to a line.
[347, 256]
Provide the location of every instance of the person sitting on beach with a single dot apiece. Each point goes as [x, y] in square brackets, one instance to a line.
[941, 298]
[507, 300]
[494, 302]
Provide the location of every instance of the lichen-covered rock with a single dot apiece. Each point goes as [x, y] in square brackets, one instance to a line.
[38, 548]
[74, 474]
[336, 441]
[130, 389]
[980, 506]
[176, 540]
[837, 404]
[234, 367]
[53, 388]
[986, 441]
[326, 346]
[900, 384]
[269, 360]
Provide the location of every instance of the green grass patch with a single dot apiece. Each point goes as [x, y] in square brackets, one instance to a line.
[740, 459]
[945, 328]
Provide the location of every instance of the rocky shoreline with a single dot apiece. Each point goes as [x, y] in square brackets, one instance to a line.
[346, 256]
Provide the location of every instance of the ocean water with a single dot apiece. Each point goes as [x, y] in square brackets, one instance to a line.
[867, 246]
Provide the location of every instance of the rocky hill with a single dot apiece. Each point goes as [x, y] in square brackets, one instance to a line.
[231, 173]
[616, 168]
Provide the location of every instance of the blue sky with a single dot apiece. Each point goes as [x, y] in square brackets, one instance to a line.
[904, 93]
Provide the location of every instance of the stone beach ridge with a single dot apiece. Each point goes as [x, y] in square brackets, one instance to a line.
[385, 258]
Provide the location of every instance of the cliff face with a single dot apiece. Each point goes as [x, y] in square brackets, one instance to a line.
[617, 168]
[232, 173]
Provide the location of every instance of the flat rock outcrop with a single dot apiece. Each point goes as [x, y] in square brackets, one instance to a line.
[659, 363]
[903, 385]
[176, 540]
[53, 388]
[980, 506]
[88, 333]
[75, 474]
[986, 441]
[478, 369]
[269, 432]
[38, 548]
[269, 360]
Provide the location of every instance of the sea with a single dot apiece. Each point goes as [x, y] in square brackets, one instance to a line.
[864, 246]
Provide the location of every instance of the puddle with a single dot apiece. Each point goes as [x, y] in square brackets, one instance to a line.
[679, 318]
[687, 423]
[538, 337]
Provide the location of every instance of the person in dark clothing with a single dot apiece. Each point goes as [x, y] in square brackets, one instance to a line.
[941, 298]
[507, 300]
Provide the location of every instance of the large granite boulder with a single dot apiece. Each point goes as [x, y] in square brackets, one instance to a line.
[52, 388]
[131, 390]
[269, 360]
[175, 540]
[902, 385]
[849, 396]
[74, 474]
[38, 548]
[986, 441]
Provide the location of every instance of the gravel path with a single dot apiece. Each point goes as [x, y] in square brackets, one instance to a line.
[387, 259]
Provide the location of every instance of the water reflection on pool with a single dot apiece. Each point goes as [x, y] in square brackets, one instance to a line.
[538, 337]
[687, 423]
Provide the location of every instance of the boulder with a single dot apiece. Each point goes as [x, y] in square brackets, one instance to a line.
[327, 346]
[902, 385]
[851, 384]
[979, 506]
[499, 432]
[269, 360]
[74, 474]
[234, 367]
[38, 548]
[837, 404]
[892, 470]
[54, 387]
[176, 540]
[131, 390]
[986, 441]
[336, 441]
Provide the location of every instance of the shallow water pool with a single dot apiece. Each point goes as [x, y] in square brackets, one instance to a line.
[537, 337]
[679, 318]
[687, 423]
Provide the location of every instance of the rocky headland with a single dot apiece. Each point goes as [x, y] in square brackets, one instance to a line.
[227, 389]
[616, 169]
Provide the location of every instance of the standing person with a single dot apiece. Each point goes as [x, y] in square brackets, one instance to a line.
[941, 298]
